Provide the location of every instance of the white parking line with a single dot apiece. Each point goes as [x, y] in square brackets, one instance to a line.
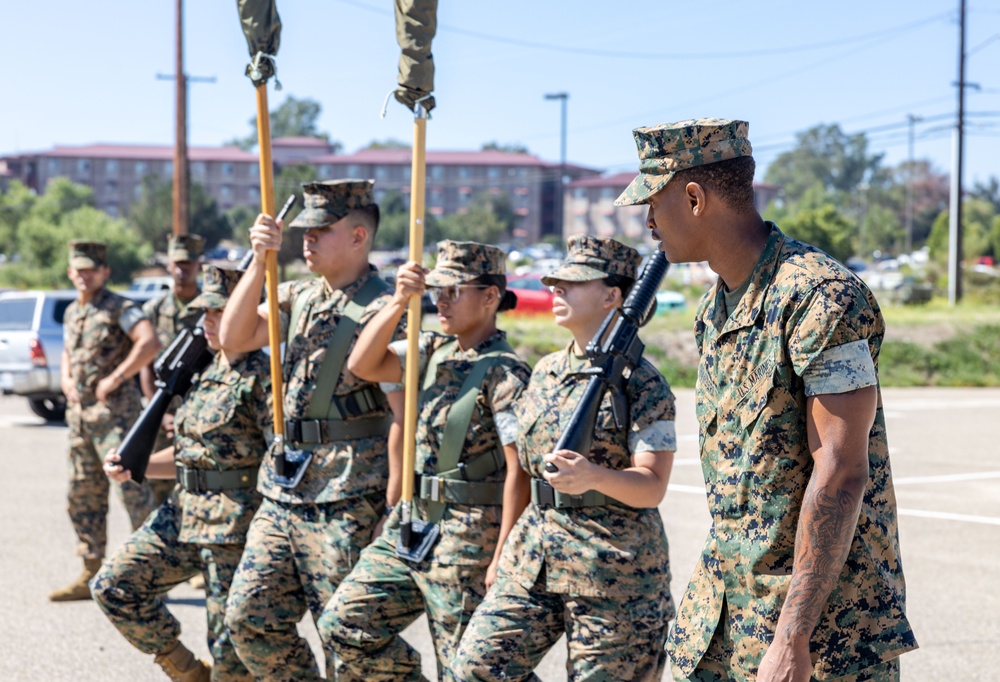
[947, 478]
[948, 516]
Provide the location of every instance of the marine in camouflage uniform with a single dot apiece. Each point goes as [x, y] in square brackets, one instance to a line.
[385, 593]
[801, 328]
[588, 566]
[223, 426]
[304, 540]
[170, 313]
[99, 347]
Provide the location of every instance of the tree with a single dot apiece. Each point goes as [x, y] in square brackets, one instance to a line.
[507, 147]
[388, 143]
[824, 228]
[293, 118]
[490, 216]
[394, 223]
[978, 223]
[152, 213]
[15, 204]
[824, 156]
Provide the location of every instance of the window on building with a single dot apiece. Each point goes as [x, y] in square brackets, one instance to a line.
[137, 190]
[253, 193]
[493, 173]
[111, 166]
[353, 171]
[324, 170]
[198, 168]
[168, 169]
[53, 166]
[225, 191]
[579, 193]
[464, 172]
[436, 172]
[140, 168]
[381, 172]
[83, 165]
[111, 186]
[111, 210]
[608, 193]
[406, 172]
[227, 169]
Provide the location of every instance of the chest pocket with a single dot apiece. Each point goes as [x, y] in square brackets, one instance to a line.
[214, 408]
[754, 391]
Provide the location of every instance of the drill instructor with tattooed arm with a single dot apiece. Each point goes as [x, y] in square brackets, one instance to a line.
[800, 578]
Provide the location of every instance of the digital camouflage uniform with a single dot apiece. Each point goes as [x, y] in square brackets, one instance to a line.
[599, 574]
[96, 337]
[223, 425]
[169, 316]
[385, 593]
[805, 326]
[304, 541]
[795, 333]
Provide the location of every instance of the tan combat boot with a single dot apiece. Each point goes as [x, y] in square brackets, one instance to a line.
[180, 665]
[79, 589]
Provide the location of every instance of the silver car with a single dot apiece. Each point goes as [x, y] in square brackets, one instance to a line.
[31, 346]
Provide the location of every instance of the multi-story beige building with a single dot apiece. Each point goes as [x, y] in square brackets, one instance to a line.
[590, 207]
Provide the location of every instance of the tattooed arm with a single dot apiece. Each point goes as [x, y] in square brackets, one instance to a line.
[838, 427]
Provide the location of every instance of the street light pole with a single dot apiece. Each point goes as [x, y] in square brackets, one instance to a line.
[560, 200]
[909, 188]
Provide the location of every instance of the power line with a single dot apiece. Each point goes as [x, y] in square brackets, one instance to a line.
[622, 54]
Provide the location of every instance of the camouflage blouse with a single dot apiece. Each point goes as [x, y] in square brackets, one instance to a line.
[96, 337]
[757, 369]
[223, 423]
[615, 550]
[343, 469]
[469, 533]
[169, 316]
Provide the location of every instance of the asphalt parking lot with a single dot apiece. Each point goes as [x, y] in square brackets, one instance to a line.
[945, 449]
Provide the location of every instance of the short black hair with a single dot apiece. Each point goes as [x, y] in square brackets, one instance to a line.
[731, 180]
[623, 283]
[508, 299]
[367, 216]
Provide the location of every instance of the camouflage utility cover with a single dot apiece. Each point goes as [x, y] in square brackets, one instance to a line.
[218, 285]
[224, 423]
[757, 463]
[184, 247]
[460, 262]
[346, 468]
[328, 201]
[611, 551]
[416, 24]
[85, 254]
[670, 147]
[590, 258]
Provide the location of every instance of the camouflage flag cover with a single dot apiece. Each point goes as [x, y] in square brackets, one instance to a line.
[416, 24]
[262, 28]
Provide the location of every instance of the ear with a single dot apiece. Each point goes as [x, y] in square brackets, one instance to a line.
[492, 295]
[359, 235]
[696, 197]
[612, 299]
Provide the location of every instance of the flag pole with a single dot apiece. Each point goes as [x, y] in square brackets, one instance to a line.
[271, 277]
[413, 315]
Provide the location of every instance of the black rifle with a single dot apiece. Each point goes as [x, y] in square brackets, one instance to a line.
[615, 348]
[175, 369]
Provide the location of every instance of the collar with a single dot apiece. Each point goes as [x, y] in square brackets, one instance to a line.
[752, 303]
[351, 289]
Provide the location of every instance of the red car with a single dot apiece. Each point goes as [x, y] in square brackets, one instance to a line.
[533, 297]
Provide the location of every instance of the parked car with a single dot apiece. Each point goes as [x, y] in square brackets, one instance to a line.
[669, 300]
[533, 297]
[154, 284]
[31, 346]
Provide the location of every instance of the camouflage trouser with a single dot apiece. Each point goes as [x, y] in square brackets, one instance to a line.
[382, 596]
[295, 557]
[161, 488]
[87, 504]
[608, 639]
[130, 585]
[710, 670]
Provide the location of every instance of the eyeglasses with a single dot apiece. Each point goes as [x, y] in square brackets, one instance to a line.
[450, 294]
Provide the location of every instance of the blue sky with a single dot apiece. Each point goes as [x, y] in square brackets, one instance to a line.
[783, 65]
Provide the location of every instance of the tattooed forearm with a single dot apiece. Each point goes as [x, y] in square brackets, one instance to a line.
[829, 517]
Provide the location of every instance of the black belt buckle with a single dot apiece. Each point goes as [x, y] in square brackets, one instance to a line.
[189, 479]
[545, 494]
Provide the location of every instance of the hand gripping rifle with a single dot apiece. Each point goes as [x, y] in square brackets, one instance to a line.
[175, 369]
[615, 348]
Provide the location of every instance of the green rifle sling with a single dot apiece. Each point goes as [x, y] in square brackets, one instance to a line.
[322, 405]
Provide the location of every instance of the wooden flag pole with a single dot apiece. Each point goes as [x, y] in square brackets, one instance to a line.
[271, 276]
[413, 315]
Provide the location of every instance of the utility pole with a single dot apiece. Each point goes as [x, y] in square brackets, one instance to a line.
[955, 214]
[909, 188]
[561, 199]
[182, 181]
